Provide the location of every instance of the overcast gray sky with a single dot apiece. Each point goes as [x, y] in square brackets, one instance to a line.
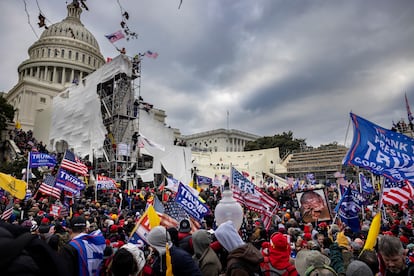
[274, 65]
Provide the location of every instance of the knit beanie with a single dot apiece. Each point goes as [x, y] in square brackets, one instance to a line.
[357, 268]
[279, 251]
[342, 240]
[158, 237]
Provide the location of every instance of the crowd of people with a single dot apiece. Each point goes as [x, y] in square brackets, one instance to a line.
[91, 235]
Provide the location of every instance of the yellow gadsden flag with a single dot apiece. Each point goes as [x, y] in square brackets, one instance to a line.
[15, 187]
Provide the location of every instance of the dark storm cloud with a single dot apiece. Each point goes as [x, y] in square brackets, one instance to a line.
[274, 65]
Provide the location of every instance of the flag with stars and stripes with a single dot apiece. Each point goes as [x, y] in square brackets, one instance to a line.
[174, 210]
[72, 163]
[397, 192]
[48, 187]
[8, 211]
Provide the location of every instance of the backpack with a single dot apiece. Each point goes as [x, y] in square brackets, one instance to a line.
[268, 270]
[252, 270]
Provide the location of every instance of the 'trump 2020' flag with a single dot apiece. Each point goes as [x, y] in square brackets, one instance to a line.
[68, 182]
[38, 159]
[381, 151]
[204, 180]
[190, 202]
[397, 192]
[72, 163]
[115, 36]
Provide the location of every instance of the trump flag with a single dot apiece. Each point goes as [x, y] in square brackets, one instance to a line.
[381, 151]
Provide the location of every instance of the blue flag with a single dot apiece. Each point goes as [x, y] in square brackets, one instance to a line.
[366, 185]
[38, 159]
[348, 210]
[68, 182]
[381, 151]
[190, 202]
[204, 180]
[237, 179]
[90, 249]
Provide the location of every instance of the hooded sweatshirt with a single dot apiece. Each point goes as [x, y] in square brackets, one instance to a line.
[205, 256]
[228, 237]
[239, 253]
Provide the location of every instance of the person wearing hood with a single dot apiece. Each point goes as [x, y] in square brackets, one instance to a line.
[243, 259]
[204, 255]
[129, 260]
[181, 261]
[278, 257]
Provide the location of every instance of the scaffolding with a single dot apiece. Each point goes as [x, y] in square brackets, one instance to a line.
[120, 113]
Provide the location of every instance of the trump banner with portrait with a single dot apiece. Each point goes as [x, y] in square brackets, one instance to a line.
[313, 205]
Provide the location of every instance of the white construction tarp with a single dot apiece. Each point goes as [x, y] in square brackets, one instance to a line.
[77, 119]
[76, 112]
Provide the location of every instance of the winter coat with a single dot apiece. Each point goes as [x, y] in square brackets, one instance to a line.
[22, 253]
[247, 255]
[209, 263]
[337, 261]
[181, 261]
[204, 255]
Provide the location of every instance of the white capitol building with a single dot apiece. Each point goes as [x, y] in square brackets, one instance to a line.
[66, 52]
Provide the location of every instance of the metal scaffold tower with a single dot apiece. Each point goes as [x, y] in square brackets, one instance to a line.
[120, 112]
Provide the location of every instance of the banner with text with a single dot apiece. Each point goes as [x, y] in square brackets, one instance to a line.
[38, 159]
[68, 182]
[244, 184]
[190, 202]
[105, 183]
[381, 151]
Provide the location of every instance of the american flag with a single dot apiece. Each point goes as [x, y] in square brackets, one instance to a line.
[177, 213]
[8, 211]
[259, 202]
[48, 187]
[115, 36]
[72, 163]
[397, 192]
[151, 54]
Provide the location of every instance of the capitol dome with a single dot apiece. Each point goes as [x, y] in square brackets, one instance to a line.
[65, 53]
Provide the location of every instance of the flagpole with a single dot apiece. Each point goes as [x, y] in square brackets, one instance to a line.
[380, 203]
[27, 170]
[360, 191]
